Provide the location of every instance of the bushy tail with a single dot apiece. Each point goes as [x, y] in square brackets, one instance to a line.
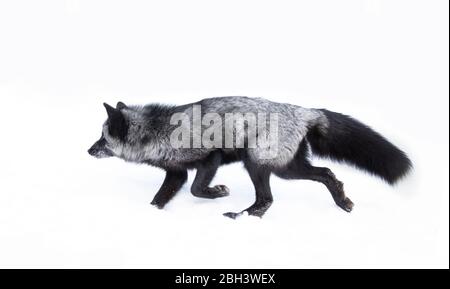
[348, 140]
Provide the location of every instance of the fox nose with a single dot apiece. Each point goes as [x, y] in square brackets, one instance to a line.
[92, 151]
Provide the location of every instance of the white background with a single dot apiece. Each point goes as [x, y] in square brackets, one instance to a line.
[383, 62]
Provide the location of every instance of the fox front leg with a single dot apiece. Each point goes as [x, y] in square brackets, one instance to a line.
[206, 171]
[172, 184]
[260, 178]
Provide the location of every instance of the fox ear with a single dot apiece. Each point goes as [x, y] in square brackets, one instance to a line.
[110, 110]
[120, 105]
[117, 123]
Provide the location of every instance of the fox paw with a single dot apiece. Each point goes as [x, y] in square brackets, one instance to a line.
[158, 204]
[232, 215]
[218, 191]
[346, 204]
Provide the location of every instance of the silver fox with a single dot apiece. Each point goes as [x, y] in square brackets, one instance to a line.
[142, 134]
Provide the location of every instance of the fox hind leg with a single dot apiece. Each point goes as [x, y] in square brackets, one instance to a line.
[300, 168]
[206, 171]
[336, 187]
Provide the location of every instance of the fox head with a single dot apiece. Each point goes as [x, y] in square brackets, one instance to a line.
[114, 133]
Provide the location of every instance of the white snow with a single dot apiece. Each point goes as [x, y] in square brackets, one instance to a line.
[384, 62]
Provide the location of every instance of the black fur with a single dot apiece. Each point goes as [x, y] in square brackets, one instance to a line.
[206, 170]
[117, 124]
[348, 140]
[301, 168]
[172, 184]
[260, 177]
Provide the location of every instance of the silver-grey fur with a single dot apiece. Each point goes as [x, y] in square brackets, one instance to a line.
[293, 121]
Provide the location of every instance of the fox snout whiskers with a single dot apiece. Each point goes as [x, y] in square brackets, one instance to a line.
[100, 154]
[99, 150]
[94, 152]
[91, 151]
